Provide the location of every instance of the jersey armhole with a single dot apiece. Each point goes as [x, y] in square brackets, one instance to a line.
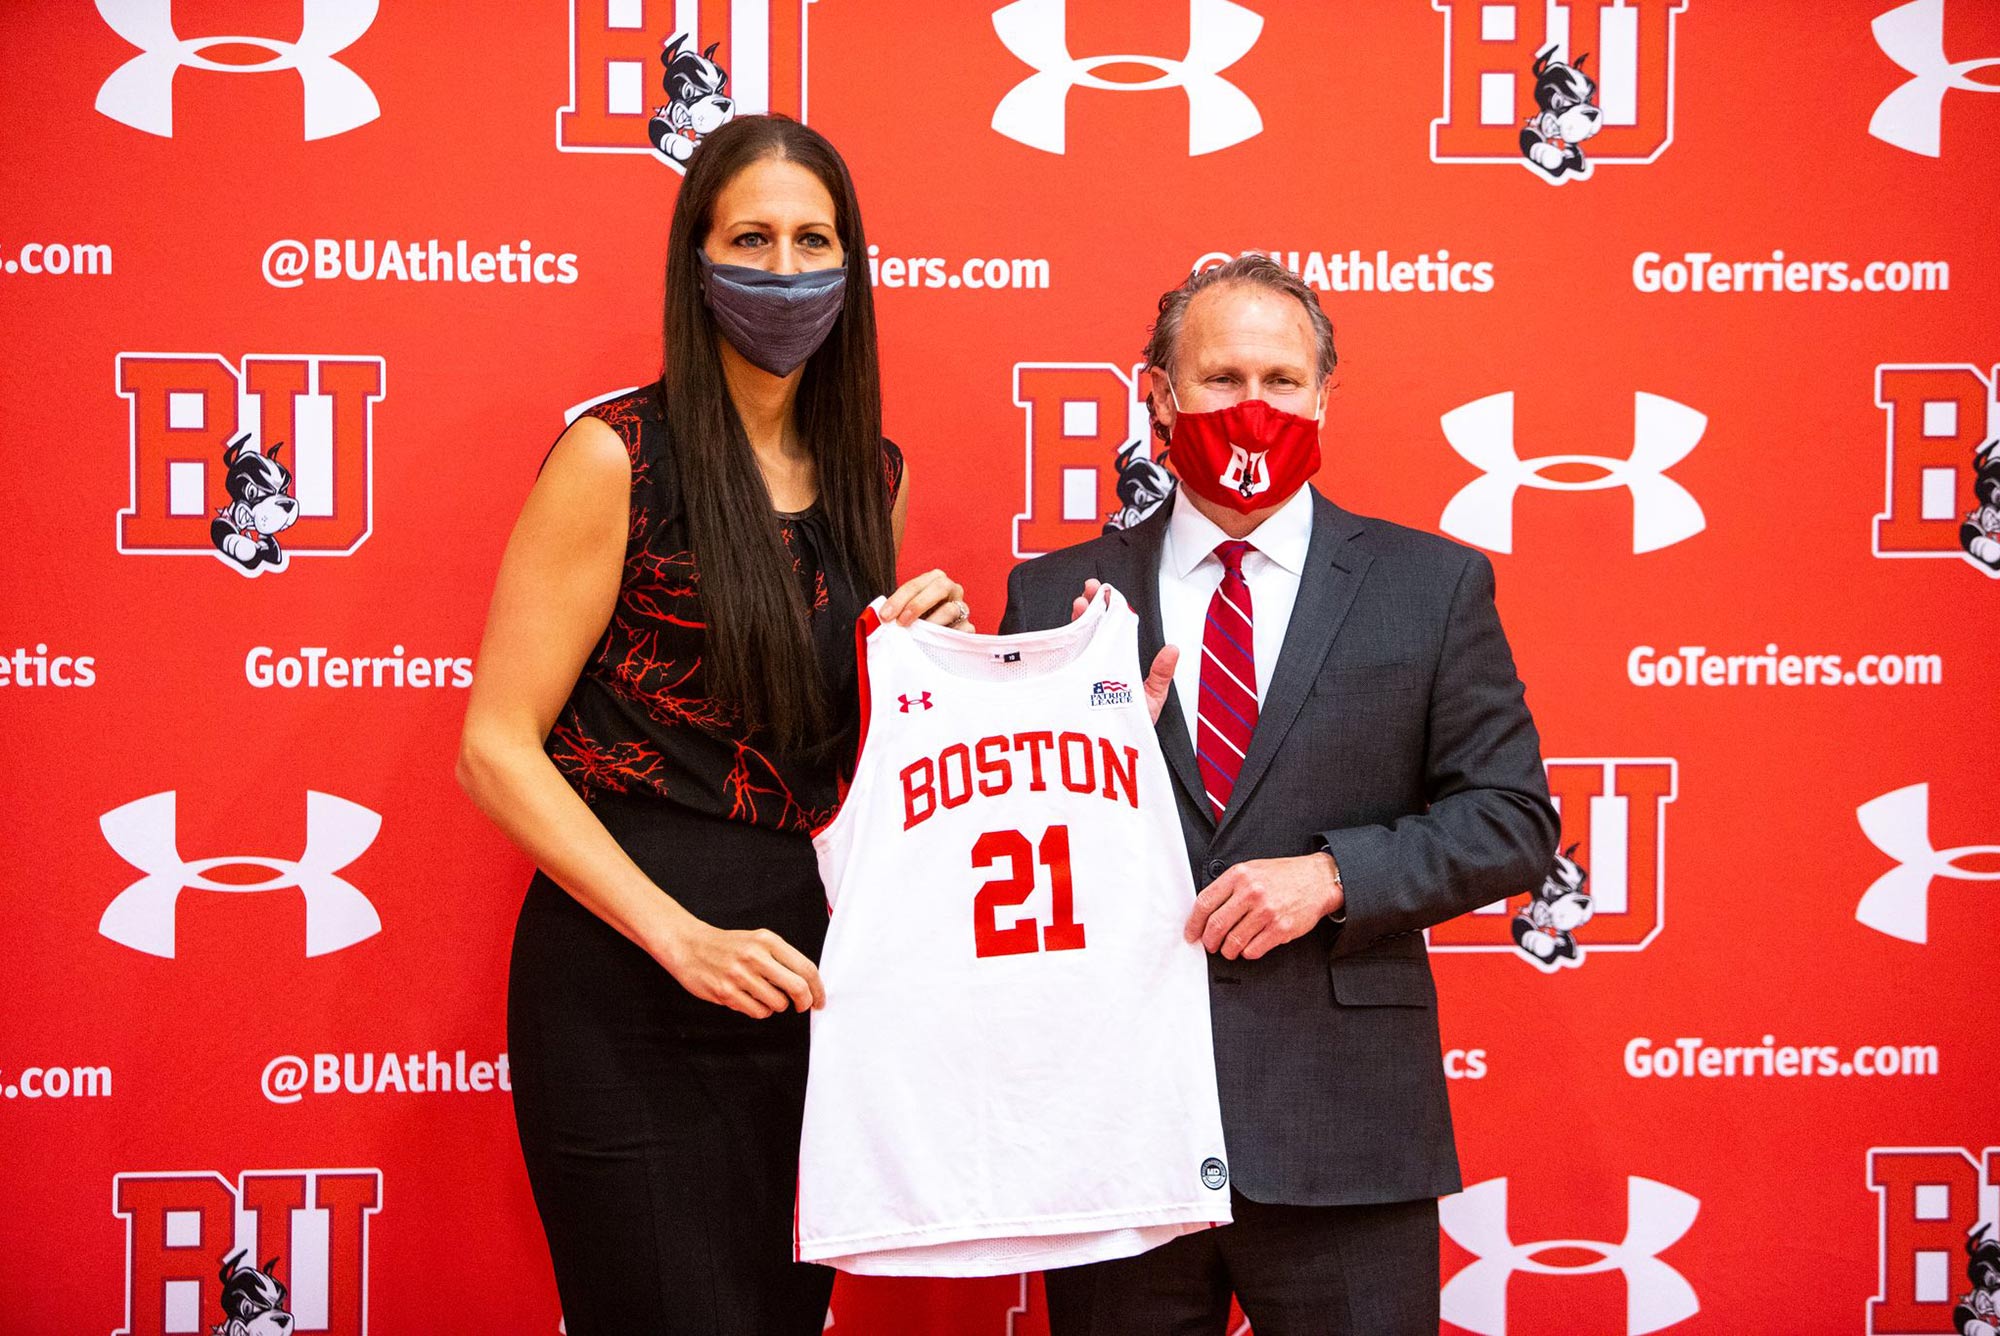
[864, 626]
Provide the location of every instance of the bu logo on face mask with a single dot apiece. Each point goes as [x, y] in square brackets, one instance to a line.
[1899, 824]
[140, 93]
[1663, 434]
[1035, 111]
[1656, 1295]
[1912, 116]
[1246, 472]
[143, 834]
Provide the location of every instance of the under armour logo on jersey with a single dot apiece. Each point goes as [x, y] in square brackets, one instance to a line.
[1912, 116]
[1035, 111]
[922, 701]
[140, 93]
[1899, 824]
[1656, 1295]
[1663, 434]
[143, 834]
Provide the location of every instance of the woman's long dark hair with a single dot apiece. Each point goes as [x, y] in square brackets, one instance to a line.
[760, 656]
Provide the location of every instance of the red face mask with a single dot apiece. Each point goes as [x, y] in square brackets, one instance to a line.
[1248, 456]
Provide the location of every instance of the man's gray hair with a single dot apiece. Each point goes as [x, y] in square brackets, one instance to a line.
[1258, 269]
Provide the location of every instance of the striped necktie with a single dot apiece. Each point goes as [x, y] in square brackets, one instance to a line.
[1228, 713]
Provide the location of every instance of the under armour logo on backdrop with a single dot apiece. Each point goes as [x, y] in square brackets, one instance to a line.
[1912, 116]
[140, 93]
[1663, 434]
[1656, 1295]
[1035, 111]
[1899, 824]
[143, 833]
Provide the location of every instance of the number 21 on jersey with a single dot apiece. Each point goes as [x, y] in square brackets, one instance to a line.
[1025, 935]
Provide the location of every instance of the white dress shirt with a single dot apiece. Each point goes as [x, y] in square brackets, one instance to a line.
[1190, 573]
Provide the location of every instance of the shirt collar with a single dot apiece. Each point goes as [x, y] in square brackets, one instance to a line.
[1283, 536]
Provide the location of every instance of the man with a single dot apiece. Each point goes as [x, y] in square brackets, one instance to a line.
[1354, 762]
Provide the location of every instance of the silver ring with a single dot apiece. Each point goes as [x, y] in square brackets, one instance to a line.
[964, 611]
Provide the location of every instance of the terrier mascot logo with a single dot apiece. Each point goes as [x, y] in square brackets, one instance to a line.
[1569, 115]
[1545, 927]
[253, 1301]
[261, 505]
[696, 103]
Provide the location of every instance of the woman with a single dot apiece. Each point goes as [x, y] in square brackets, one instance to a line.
[664, 694]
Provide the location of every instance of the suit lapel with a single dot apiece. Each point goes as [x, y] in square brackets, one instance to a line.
[1333, 572]
[1133, 567]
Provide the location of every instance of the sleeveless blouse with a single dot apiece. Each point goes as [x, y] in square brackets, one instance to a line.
[641, 720]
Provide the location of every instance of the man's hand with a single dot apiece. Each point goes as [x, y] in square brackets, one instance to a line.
[1260, 905]
[1160, 677]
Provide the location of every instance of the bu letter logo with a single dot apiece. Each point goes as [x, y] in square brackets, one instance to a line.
[1942, 497]
[251, 467]
[143, 834]
[1656, 1295]
[1612, 896]
[1089, 465]
[140, 93]
[1899, 824]
[1663, 434]
[180, 1228]
[654, 76]
[1912, 117]
[1556, 87]
[1035, 111]
[1938, 1207]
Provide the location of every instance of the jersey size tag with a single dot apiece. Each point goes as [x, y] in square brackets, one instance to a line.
[1010, 656]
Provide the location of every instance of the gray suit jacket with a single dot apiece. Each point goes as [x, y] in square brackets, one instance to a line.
[1394, 734]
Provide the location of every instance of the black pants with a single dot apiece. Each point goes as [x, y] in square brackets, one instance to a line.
[1297, 1271]
[661, 1133]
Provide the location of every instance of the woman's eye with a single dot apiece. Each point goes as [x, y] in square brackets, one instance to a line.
[750, 239]
[814, 241]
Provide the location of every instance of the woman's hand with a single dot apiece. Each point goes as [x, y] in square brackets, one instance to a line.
[755, 972]
[932, 596]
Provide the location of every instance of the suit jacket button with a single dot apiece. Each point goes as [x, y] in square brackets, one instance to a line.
[1215, 868]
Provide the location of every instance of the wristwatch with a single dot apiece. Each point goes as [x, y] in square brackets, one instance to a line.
[1338, 915]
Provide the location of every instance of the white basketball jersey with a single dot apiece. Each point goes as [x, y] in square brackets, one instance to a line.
[1013, 1069]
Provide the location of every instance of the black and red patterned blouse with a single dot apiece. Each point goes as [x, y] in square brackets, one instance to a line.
[640, 720]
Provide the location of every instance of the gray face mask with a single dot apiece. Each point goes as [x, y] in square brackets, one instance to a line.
[776, 321]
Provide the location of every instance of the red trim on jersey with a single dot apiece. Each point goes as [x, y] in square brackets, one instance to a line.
[864, 626]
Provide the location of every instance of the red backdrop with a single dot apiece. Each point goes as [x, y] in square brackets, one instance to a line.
[1744, 344]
